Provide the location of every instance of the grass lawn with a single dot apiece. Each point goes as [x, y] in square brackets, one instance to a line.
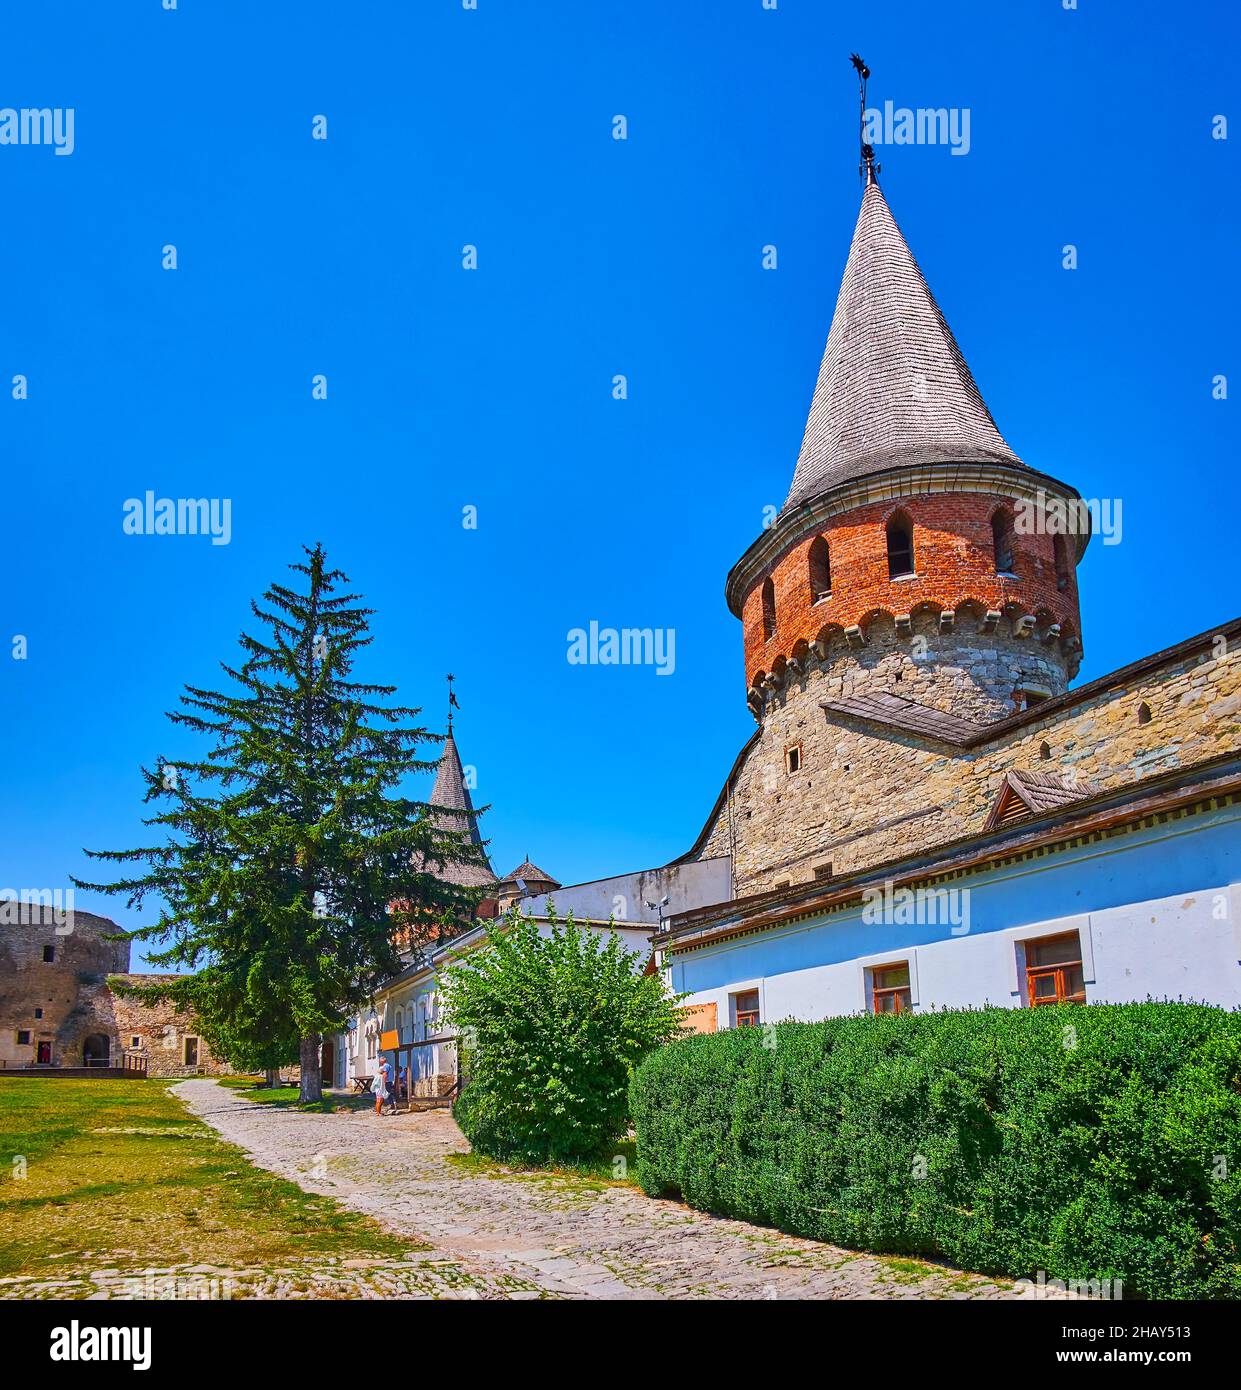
[120, 1175]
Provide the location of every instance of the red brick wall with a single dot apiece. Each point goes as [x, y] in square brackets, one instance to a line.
[954, 559]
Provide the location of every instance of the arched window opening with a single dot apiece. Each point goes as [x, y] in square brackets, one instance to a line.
[1144, 713]
[1044, 751]
[1002, 542]
[1062, 562]
[820, 570]
[769, 609]
[900, 546]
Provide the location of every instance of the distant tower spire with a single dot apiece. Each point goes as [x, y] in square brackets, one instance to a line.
[868, 169]
[452, 699]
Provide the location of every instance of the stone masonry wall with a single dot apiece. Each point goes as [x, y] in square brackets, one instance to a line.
[863, 796]
[69, 991]
[161, 1032]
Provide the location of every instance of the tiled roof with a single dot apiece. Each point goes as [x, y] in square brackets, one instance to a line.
[893, 388]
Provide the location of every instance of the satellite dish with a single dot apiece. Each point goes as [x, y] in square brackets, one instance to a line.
[521, 886]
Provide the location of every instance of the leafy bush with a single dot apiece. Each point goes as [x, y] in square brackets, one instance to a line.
[554, 1025]
[1090, 1142]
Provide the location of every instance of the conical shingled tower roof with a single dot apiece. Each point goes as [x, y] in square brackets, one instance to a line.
[451, 793]
[893, 387]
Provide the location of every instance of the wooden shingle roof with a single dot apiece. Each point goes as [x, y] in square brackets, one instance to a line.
[893, 389]
[1031, 793]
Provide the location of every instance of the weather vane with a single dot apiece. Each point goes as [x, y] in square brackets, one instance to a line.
[868, 168]
[452, 699]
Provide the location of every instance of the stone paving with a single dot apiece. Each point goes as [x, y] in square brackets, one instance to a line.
[535, 1234]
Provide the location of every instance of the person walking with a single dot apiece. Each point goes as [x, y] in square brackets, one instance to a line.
[381, 1085]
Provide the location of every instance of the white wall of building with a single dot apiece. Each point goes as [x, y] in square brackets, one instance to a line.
[1187, 946]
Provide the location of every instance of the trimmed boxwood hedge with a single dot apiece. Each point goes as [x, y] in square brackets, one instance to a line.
[1087, 1141]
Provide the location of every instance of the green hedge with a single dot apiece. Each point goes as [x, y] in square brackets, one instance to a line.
[1089, 1142]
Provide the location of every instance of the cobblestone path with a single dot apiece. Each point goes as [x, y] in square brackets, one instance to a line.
[531, 1234]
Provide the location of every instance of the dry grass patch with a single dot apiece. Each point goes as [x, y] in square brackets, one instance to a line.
[118, 1174]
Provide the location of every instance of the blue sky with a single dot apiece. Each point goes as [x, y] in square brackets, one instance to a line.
[493, 388]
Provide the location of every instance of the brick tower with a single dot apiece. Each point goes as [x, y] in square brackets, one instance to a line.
[916, 556]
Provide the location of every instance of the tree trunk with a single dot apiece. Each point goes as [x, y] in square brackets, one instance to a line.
[273, 1078]
[312, 1076]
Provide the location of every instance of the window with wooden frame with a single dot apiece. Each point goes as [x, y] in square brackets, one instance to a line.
[792, 758]
[890, 988]
[191, 1052]
[135, 1042]
[745, 1009]
[23, 1037]
[1054, 970]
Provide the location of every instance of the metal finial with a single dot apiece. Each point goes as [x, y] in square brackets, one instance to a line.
[868, 169]
[452, 699]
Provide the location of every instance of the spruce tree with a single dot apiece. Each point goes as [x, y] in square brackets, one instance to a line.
[290, 862]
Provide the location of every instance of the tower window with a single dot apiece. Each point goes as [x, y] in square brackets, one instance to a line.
[1044, 751]
[820, 570]
[1062, 562]
[792, 758]
[769, 608]
[49, 955]
[1002, 542]
[1144, 713]
[900, 546]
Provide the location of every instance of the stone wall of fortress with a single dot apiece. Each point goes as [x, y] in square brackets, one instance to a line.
[864, 795]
